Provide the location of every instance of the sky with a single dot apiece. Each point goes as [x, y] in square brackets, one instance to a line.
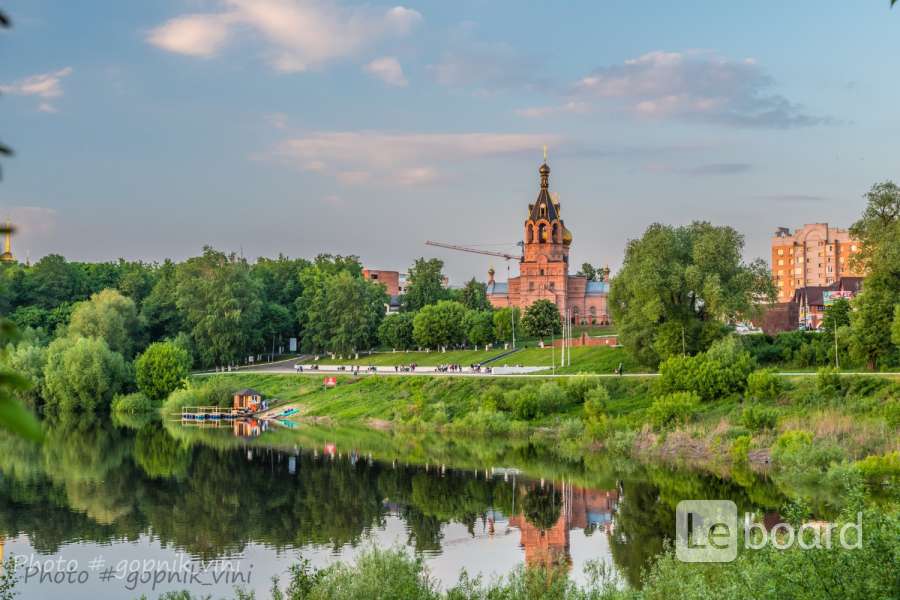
[148, 129]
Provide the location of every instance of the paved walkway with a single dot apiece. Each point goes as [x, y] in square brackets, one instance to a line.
[287, 368]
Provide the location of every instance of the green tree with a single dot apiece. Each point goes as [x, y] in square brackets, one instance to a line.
[221, 306]
[474, 296]
[588, 270]
[52, 281]
[871, 321]
[878, 231]
[837, 315]
[159, 310]
[895, 326]
[110, 316]
[505, 319]
[542, 319]
[161, 369]
[396, 331]
[440, 325]
[82, 374]
[29, 359]
[679, 285]
[13, 416]
[280, 278]
[479, 325]
[312, 305]
[426, 284]
[355, 308]
[136, 279]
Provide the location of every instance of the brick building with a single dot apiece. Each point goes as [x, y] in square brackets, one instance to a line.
[806, 307]
[814, 255]
[395, 284]
[544, 267]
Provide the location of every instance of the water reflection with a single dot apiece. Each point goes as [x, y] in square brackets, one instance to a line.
[212, 492]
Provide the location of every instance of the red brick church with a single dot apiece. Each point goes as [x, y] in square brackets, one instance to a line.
[544, 267]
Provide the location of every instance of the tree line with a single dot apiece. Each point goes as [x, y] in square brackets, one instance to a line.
[680, 289]
[93, 331]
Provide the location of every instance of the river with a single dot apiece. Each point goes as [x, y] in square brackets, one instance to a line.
[111, 510]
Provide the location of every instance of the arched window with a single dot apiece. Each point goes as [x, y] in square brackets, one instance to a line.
[542, 233]
[556, 238]
[529, 233]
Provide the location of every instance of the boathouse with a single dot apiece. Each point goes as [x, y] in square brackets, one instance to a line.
[248, 399]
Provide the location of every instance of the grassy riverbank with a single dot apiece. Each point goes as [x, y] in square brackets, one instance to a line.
[592, 359]
[811, 430]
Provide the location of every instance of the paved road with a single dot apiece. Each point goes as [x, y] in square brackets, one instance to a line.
[287, 368]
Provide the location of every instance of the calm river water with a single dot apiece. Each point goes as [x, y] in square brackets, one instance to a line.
[118, 510]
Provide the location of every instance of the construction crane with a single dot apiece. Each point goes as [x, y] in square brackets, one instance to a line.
[477, 251]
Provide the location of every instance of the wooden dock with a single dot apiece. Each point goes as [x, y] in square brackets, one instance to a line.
[211, 413]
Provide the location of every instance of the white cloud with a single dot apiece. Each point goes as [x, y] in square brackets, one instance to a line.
[193, 35]
[44, 85]
[298, 34]
[388, 70]
[401, 159]
[544, 111]
[692, 85]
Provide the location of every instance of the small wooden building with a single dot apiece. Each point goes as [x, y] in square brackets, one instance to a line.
[248, 400]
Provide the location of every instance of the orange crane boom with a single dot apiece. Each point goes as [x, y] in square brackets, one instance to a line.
[474, 250]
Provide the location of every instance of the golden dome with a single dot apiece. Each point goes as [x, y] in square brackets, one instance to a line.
[567, 236]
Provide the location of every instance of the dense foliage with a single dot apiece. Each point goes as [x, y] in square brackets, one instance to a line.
[542, 319]
[161, 369]
[679, 285]
[717, 373]
[878, 230]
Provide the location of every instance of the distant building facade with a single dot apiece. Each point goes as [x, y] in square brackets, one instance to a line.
[806, 307]
[544, 267]
[395, 284]
[814, 255]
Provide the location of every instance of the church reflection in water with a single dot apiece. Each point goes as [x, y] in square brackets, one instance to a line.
[579, 508]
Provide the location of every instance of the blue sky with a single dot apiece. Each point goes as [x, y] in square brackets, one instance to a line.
[148, 129]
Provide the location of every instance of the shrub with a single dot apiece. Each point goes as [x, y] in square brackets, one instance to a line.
[552, 397]
[376, 574]
[531, 403]
[483, 420]
[740, 449]
[764, 384]
[828, 381]
[161, 369]
[595, 404]
[795, 452]
[673, 408]
[577, 388]
[523, 402]
[132, 403]
[880, 469]
[757, 417]
[891, 412]
[82, 374]
[719, 372]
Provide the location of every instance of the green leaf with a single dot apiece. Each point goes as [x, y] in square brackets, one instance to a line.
[16, 418]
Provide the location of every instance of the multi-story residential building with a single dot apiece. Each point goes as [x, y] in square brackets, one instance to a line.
[814, 255]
